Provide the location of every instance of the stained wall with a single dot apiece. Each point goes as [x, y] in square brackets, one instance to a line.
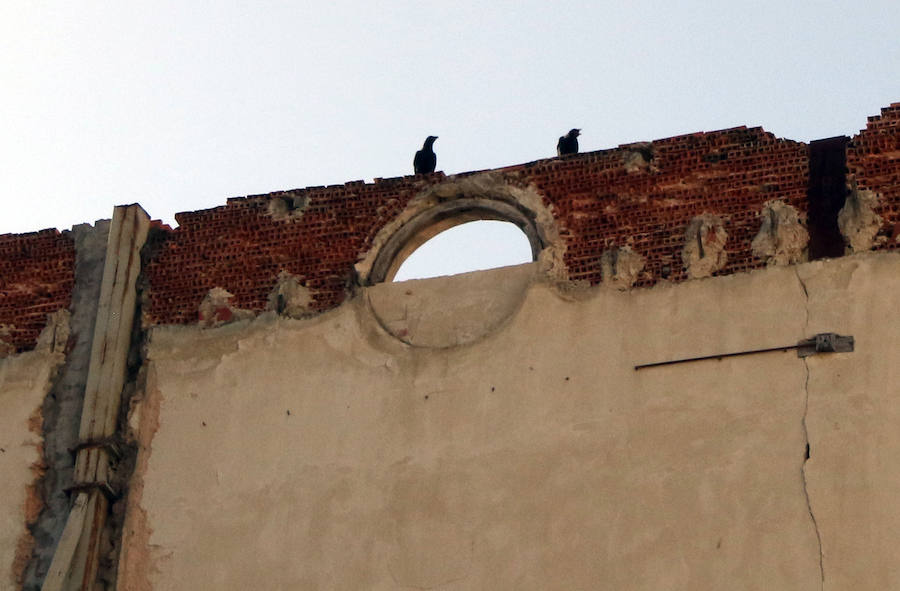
[25, 380]
[621, 217]
[327, 453]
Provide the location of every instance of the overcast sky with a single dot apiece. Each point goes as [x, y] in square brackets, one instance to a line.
[180, 105]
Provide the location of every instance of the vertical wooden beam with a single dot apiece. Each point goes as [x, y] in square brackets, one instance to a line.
[75, 563]
[76, 559]
[112, 339]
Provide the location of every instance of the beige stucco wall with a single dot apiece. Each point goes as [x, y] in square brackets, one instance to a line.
[25, 380]
[327, 454]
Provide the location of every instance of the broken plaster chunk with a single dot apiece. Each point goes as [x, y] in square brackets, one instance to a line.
[858, 221]
[638, 157]
[704, 246]
[55, 335]
[290, 298]
[551, 263]
[216, 309]
[621, 267]
[286, 207]
[781, 239]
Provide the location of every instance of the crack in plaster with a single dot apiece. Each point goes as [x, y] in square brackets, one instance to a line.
[805, 428]
[806, 298]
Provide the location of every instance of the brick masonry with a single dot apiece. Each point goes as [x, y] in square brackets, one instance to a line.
[37, 273]
[640, 195]
[602, 203]
[873, 161]
[242, 248]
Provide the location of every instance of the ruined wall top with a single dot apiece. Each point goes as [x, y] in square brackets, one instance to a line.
[642, 196]
[672, 209]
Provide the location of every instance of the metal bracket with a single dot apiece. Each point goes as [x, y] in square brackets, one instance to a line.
[96, 462]
[824, 342]
[112, 444]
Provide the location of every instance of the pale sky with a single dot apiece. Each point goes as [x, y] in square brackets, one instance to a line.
[473, 246]
[180, 105]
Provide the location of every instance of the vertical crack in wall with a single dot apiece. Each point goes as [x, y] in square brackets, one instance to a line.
[806, 456]
[806, 299]
[807, 451]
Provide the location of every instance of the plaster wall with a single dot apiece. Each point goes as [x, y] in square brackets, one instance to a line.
[25, 380]
[328, 454]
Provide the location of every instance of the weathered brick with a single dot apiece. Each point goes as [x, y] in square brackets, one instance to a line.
[642, 196]
[37, 273]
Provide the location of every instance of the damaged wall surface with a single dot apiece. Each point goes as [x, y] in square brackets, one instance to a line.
[324, 453]
[637, 198]
[853, 413]
[598, 201]
[263, 408]
[41, 393]
[24, 382]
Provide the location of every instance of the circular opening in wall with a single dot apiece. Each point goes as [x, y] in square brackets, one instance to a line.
[453, 235]
[502, 234]
[471, 246]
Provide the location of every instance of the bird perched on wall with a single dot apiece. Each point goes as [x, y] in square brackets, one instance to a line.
[425, 159]
[568, 144]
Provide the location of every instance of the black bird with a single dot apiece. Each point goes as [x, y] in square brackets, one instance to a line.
[568, 144]
[425, 159]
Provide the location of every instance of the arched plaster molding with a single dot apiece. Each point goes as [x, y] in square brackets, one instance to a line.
[485, 196]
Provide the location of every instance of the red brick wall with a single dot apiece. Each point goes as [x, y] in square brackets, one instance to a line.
[37, 273]
[873, 160]
[730, 173]
[241, 248]
[599, 202]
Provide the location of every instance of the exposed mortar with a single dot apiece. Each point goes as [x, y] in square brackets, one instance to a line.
[287, 207]
[781, 239]
[621, 267]
[62, 406]
[216, 309]
[704, 246]
[290, 298]
[639, 156]
[858, 221]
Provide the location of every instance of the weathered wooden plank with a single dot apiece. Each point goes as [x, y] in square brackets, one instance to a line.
[115, 315]
[75, 562]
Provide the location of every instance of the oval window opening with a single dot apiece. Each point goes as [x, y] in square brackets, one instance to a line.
[473, 246]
